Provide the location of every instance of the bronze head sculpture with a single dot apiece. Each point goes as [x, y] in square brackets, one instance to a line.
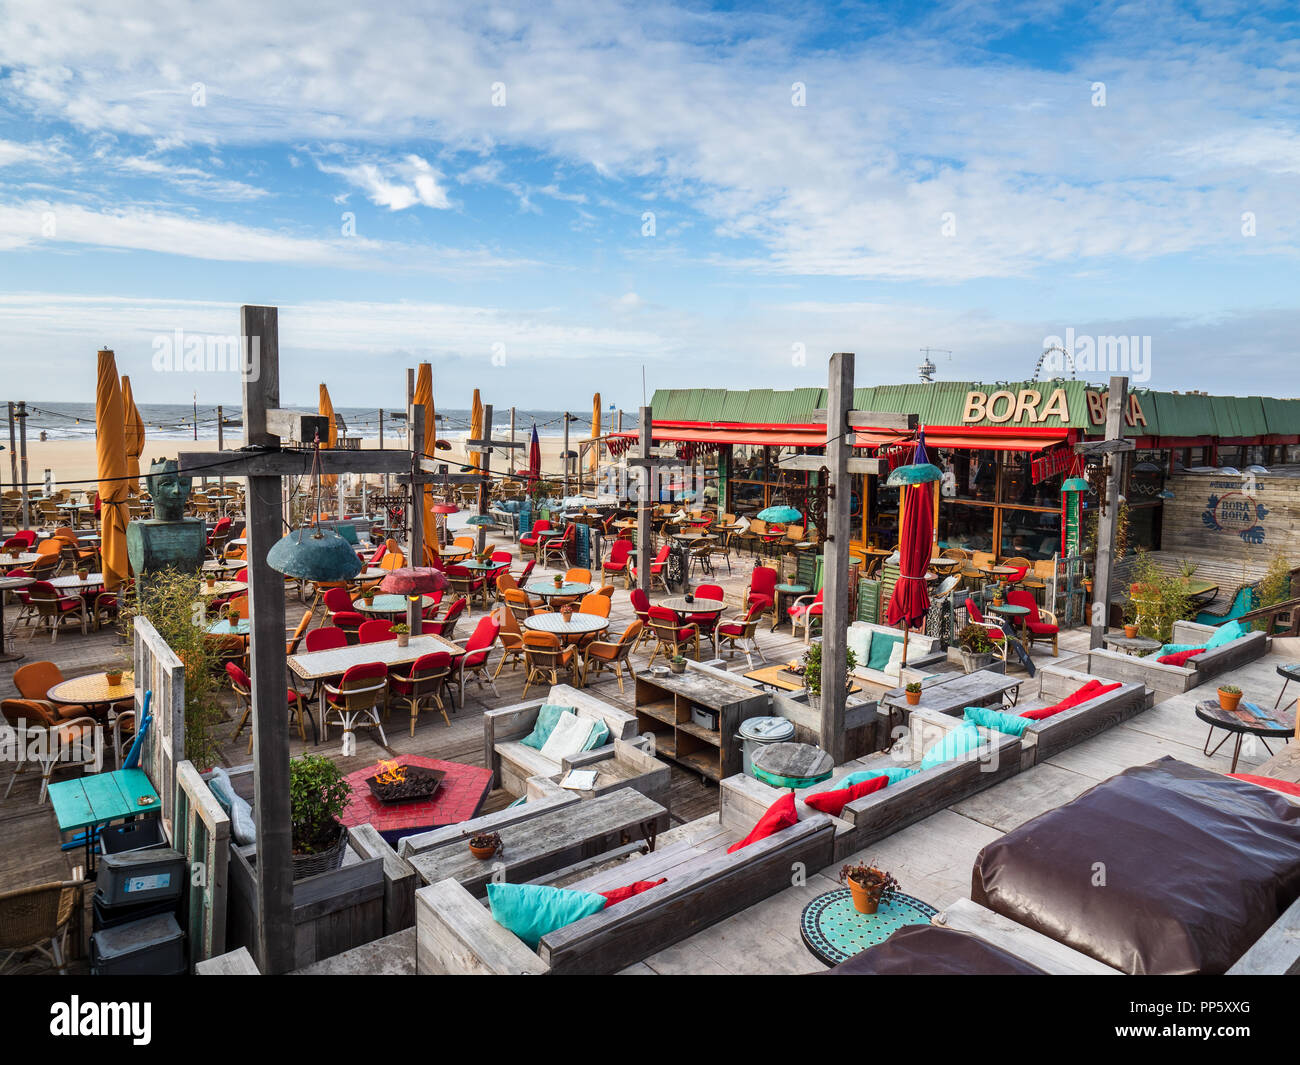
[169, 489]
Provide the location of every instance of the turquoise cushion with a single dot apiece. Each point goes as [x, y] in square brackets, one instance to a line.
[956, 743]
[882, 646]
[532, 910]
[598, 738]
[998, 720]
[1175, 648]
[1226, 634]
[547, 716]
[895, 773]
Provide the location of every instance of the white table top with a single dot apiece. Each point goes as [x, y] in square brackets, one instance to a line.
[313, 665]
[555, 623]
[698, 606]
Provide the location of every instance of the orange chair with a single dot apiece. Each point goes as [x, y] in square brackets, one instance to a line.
[602, 654]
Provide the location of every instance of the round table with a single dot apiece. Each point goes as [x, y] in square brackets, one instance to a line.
[454, 554]
[998, 571]
[944, 563]
[795, 590]
[388, 604]
[577, 625]
[791, 765]
[1288, 673]
[696, 606]
[25, 558]
[1010, 610]
[223, 588]
[1131, 645]
[548, 591]
[833, 931]
[214, 566]
[7, 583]
[223, 628]
[1278, 724]
[691, 536]
[93, 691]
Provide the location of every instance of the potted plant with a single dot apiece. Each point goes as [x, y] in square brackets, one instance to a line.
[566, 612]
[812, 671]
[403, 633]
[368, 595]
[1229, 696]
[232, 616]
[113, 676]
[210, 579]
[83, 573]
[913, 692]
[870, 886]
[486, 844]
[559, 581]
[976, 647]
[678, 664]
[318, 795]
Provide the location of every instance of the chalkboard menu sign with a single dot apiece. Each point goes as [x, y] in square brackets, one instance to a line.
[674, 571]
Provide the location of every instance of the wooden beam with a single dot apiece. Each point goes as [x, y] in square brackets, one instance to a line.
[874, 467]
[872, 419]
[275, 945]
[1104, 447]
[1116, 403]
[836, 580]
[276, 463]
[295, 426]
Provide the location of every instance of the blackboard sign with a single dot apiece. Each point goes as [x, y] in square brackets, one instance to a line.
[674, 571]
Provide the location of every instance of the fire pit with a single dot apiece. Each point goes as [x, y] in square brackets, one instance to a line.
[404, 783]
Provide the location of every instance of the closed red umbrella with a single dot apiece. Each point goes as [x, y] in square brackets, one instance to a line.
[911, 598]
[534, 458]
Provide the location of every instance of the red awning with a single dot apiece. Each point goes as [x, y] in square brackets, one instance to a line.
[995, 438]
[991, 438]
[769, 435]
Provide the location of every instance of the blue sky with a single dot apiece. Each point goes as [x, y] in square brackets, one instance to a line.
[973, 176]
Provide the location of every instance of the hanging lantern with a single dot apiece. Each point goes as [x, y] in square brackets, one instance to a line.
[315, 555]
[780, 515]
[914, 473]
[1073, 489]
[479, 519]
[413, 581]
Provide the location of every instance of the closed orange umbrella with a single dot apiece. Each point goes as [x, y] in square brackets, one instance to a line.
[594, 459]
[326, 410]
[424, 397]
[110, 454]
[134, 425]
[476, 430]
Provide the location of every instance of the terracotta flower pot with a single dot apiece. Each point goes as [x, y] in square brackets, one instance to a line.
[912, 697]
[211, 582]
[403, 638]
[1130, 631]
[114, 677]
[1229, 701]
[483, 853]
[866, 899]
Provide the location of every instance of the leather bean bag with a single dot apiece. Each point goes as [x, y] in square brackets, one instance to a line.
[1164, 868]
[928, 950]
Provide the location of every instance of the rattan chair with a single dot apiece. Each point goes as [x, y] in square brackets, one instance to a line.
[603, 654]
[37, 919]
[545, 657]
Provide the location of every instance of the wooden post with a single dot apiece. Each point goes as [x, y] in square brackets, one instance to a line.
[565, 457]
[13, 450]
[1116, 400]
[387, 484]
[21, 415]
[275, 943]
[415, 527]
[835, 586]
[645, 504]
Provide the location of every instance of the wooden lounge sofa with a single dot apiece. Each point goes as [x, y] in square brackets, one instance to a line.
[456, 934]
[1165, 679]
[512, 762]
[923, 652]
[884, 812]
[1042, 739]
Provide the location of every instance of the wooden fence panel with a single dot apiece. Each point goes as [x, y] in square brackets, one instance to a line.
[203, 836]
[157, 669]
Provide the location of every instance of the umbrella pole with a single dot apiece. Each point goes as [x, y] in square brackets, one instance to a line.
[904, 662]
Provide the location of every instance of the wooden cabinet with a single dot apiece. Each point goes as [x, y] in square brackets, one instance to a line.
[664, 706]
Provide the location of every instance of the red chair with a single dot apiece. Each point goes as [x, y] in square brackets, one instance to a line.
[243, 693]
[707, 623]
[341, 612]
[356, 700]
[53, 609]
[557, 548]
[426, 679]
[656, 566]
[377, 630]
[739, 633]
[671, 635]
[619, 561]
[27, 536]
[474, 661]
[446, 627]
[641, 607]
[1039, 624]
[805, 608]
[464, 581]
[326, 638]
[995, 631]
[762, 589]
[530, 543]
[522, 575]
[379, 553]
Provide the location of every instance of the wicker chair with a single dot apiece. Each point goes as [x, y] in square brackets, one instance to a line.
[672, 637]
[603, 654]
[738, 632]
[545, 657]
[36, 728]
[426, 680]
[37, 919]
[357, 700]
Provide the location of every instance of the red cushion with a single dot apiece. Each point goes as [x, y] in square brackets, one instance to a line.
[1179, 658]
[1284, 786]
[620, 894]
[781, 814]
[1090, 690]
[1046, 628]
[832, 802]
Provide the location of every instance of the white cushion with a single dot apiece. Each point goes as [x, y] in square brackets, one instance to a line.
[569, 736]
[895, 663]
[859, 642]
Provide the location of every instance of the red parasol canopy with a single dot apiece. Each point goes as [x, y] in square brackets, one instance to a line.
[911, 599]
[534, 458]
[413, 580]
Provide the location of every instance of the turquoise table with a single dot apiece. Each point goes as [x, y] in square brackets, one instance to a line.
[222, 628]
[93, 801]
[834, 931]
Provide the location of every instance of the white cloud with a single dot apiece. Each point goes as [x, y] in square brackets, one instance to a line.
[395, 184]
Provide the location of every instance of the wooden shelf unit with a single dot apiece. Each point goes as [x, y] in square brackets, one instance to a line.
[663, 707]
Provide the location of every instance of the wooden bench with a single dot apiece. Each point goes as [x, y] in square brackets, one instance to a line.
[1166, 680]
[457, 934]
[1043, 739]
[512, 762]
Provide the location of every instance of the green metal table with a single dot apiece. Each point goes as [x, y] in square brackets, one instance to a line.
[833, 931]
[88, 803]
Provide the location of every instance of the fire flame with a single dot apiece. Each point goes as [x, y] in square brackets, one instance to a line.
[391, 773]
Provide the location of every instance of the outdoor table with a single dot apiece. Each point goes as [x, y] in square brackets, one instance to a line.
[240, 542]
[1202, 591]
[223, 628]
[546, 842]
[951, 693]
[390, 604]
[459, 796]
[681, 605]
[218, 566]
[1012, 613]
[998, 573]
[693, 536]
[455, 554]
[75, 583]
[944, 563]
[318, 665]
[485, 568]
[1288, 673]
[89, 803]
[223, 588]
[24, 558]
[548, 591]
[783, 678]
[92, 691]
[795, 590]
[834, 931]
[6, 583]
[89, 538]
[791, 765]
[578, 625]
[1131, 645]
[1247, 719]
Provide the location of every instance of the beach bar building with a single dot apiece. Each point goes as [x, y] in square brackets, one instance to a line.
[1211, 475]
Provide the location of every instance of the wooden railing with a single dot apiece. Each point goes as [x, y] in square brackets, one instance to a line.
[1271, 614]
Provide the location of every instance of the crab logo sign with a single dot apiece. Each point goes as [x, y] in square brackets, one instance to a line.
[1238, 513]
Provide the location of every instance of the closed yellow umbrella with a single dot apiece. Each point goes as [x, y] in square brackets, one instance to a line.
[594, 460]
[424, 397]
[326, 410]
[476, 430]
[134, 425]
[110, 455]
